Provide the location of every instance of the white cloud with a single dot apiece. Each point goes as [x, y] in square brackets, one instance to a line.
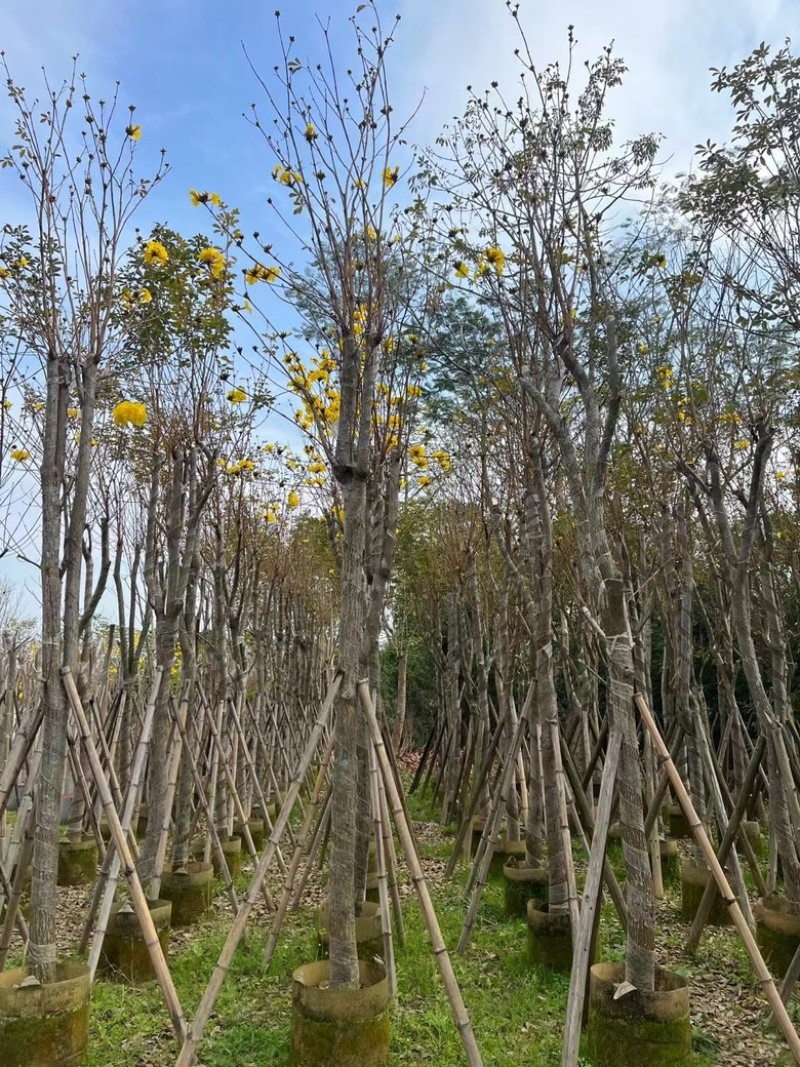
[444, 45]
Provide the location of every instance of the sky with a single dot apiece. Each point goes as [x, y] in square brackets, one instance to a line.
[184, 64]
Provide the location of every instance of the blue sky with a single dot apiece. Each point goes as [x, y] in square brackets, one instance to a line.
[182, 63]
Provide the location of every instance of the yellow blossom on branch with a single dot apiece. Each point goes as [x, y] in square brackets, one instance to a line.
[214, 260]
[390, 176]
[260, 273]
[461, 268]
[497, 258]
[130, 413]
[145, 296]
[73, 413]
[134, 132]
[19, 455]
[155, 254]
[237, 395]
[310, 133]
[293, 499]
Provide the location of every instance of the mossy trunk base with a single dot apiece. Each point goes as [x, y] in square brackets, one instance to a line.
[549, 937]
[257, 832]
[693, 884]
[752, 830]
[77, 862]
[504, 852]
[189, 891]
[125, 957]
[777, 932]
[45, 1026]
[232, 849]
[639, 1029]
[339, 1027]
[670, 860]
[522, 884]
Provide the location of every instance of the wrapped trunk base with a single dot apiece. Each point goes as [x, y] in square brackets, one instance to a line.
[189, 891]
[506, 850]
[670, 859]
[522, 884]
[549, 937]
[77, 862]
[369, 931]
[257, 832]
[44, 1026]
[652, 1029]
[232, 849]
[693, 883]
[339, 1027]
[777, 932]
[125, 957]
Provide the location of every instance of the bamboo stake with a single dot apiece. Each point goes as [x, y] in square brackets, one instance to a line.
[700, 836]
[584, 816]
[320, 832]
[109, 873]
[581, 954]
[380, 869]
[23, 739]
[206, 1006]
[172, 783]
[118, 836]
[389, 850]
[457, 1007]
[297, 858]
[728, 838]
[466, 824]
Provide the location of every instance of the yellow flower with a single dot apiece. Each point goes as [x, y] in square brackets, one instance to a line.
[293, 499]
[372, 233]
[130, 413]
[145, 296]
[424, 481]
[461, 269]
[155, 254]
[741, 445]
[316, 468]
[660, 261]
[310, 133]
[643, 348]
[214, 260]
[19, 455]
[73, 413]
[270, 515]
[4, 273]
[390, 176]
[259, 273]
[442, 458]
[780, 475]
[416, 452]
[497, 258]
[7, 405]
[21, 263]
[269, 448]
[237, 395]
[197, 198]
[134, 132]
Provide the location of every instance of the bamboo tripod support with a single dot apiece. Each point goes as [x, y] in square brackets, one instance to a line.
[581, 956]
[762, 973]
[380, 867]
[206, 1006]
[121, 844]
[107, 883]
[299, 852]
[457, 1007]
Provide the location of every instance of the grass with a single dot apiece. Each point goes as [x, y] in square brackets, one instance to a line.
[517, 1012]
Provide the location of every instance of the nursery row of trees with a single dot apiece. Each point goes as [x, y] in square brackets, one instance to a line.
[539, 445]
